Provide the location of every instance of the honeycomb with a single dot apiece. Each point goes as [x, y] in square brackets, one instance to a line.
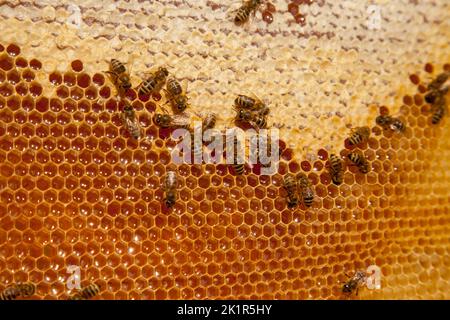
[76, 190]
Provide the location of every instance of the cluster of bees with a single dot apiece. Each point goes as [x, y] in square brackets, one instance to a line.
[87, 292]
[15, 291]
[436, 91]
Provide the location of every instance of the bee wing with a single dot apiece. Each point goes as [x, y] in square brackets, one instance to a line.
[184, 85]
[234, 6]
[181, 119]
[254, 96]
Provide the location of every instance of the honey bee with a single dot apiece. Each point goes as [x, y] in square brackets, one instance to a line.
[359, 135]
[435, 87]
[306, 190]
[355, 282]
[290, 185]
[209, 121]
[239, 168]
[388, 122]
[336, 170]
[248, 8]
[154, 83]
[252, 103]
[119, 73]
[88, 292]
[359, 160]
[76, 296]
[173, 122]
[437, 82]
[129, 120]
[23, 290]
[177, 95]
[439, 108]
[10, 293]
[170, 189]
[26, 289]
[256, 120]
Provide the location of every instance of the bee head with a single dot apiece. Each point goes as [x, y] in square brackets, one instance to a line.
[346, 288]
[169, 202]
[164, 71]
[158, 118]
[430, 97]
[180, 103]
[381, 120]
[127, 107]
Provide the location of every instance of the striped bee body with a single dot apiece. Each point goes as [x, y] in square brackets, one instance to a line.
[26, 289]
[174, 87]
[438, 115]
[359, 135]
[437, 82]
[245, 102]
[259, 122]
[10, 293]
[90, 291]
[130, 122]
[388, 122]
[360, 161]
[306, 189]
[170, 189]
[336, 169]
[154, 83]
[239, 168]
[173, 122]
[209, 122]
[244, 12]
[290, 185]
[119, 72]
